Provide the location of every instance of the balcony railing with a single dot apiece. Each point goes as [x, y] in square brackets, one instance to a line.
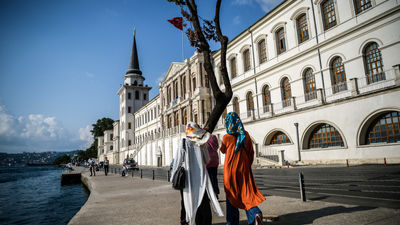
[310, 95]
[286, 102]
[372, 78]
[342, 86]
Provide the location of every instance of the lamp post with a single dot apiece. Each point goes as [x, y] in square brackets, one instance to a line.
[298, 142]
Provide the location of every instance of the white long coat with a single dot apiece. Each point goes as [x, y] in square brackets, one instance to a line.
[197, 179]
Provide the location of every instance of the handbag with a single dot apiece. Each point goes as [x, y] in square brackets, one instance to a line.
[179, 178]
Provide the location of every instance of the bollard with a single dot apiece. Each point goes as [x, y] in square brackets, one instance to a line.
[141, 173]
[168, 175]
[384, 162]
[302, 188]
[153, 174]
[347, 162]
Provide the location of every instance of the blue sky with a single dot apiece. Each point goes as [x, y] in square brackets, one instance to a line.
[62, 61]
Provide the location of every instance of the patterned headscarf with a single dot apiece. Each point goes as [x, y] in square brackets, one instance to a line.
[235, 127]
[196, 134]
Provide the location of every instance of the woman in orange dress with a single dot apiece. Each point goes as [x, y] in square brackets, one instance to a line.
[240, 187]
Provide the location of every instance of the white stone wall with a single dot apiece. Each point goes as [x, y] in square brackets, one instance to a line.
[349, 111]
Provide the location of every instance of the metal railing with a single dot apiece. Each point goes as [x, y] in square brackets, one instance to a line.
[310, 95]
[342, 86]
[372, 78]
[286, 102]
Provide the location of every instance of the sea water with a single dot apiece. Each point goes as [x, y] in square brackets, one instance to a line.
[34, 195]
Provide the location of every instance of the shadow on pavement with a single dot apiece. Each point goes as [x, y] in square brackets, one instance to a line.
[308, 217]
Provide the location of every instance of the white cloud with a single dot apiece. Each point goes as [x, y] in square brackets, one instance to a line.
[242, 2]
[267, 5]
[85, 135]
[40, 127]
[35, 132]
[90, 75]
[7, 123]
[236, 20]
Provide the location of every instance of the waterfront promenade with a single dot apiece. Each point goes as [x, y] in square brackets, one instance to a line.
[131, 200]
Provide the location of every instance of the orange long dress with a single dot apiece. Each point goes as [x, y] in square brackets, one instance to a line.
[239, 184]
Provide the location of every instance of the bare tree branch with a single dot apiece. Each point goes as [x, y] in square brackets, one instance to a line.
[221, 98]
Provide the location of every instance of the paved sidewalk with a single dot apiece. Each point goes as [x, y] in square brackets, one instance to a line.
[126, 200]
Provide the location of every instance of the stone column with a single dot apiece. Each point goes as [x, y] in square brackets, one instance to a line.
[397, 74]
[293, 102]
[354, 86]
[180, 94]
[320, 97]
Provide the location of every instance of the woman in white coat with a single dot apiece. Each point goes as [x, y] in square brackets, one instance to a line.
[198, 191]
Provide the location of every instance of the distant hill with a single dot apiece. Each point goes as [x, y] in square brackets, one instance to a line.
[32, 157]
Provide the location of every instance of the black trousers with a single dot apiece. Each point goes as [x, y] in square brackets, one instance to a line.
[106, 169]
[203, 215]
[213, 173]
[92, 171]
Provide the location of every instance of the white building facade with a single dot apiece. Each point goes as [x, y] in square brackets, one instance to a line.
[315, 81]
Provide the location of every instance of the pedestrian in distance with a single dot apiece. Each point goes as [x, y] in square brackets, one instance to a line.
[69, 165]
[212, 166]
[240, 188]
[92, 167]
[198, 192]
[106, 165]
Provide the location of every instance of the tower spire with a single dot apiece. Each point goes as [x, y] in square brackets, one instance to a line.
[134, 61]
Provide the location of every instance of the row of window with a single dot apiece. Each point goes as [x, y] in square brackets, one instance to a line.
[373, 69]
[148, 116]
[383, 129]
[137, 96]
[302, 28]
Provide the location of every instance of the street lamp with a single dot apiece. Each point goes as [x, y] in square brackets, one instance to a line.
[298, 142]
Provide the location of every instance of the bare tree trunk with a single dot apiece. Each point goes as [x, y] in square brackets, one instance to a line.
[221, 98]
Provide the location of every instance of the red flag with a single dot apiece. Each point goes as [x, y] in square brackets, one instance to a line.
[177, 22]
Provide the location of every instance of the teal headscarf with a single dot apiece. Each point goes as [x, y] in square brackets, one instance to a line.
[235, 127]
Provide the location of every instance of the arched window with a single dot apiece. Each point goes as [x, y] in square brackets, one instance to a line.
[183, 86]
[338, 75]
[286, 92]
[194, 83]
[309, 84]
[325, 136]
[266, 98]
[206, 81]
[361, 5]
[246, 60]
[279, 138]
[302, 28]
[262, 52]
[250, 104]
[135, 83]
[176, 119]
[328, 14]
[384, 129]
[280, 40]
[185, 117]
[235, 104]
[373, 63]
[170, 121]
[233, 67]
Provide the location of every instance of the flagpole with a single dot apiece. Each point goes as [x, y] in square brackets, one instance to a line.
[183, 55]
